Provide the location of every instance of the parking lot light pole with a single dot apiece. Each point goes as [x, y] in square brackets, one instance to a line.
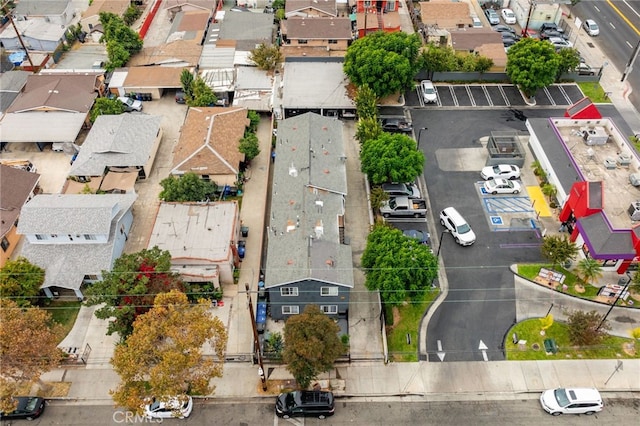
[420, 135]
[444, 231]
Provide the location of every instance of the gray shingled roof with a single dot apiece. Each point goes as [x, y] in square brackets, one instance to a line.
[67, 264]
[70, 213]
[41, 7]
[309, 187]
[124, 140]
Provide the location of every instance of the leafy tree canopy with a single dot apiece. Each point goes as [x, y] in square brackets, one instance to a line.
[438, 59]
[249, 146]
[186, 80]
[128, 290]
[368, 128]
[266, 57]
[532, 64]
[569, 60]
[163, 355]
[188, 187]
[202, 95]
[311, 345]
[20, 281]
[391, 158]
[121, 40]
[399, 267]
[106, 106]
[583, 328]
[366, 103]
[386, 62]
[28, 342]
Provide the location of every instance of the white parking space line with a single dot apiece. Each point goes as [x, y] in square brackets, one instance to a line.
[471, 98]
[486, 93]
[546, 92]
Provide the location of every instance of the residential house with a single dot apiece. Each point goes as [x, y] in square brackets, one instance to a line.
[51, 108]
[75, 237]
[37, 35]
[372, 16]
[183, 45]
[208, 144]
[17, 186]
[11, 85]
[313, 36]
[483, 42]
[311, 9]
[308, 260]
[91, 17]
[446, 14]
[202, 239]
[253, 4]
[125, 143]
[327, 95]
[173, 7]
[151, 80]
[534, 14]
[57, 12]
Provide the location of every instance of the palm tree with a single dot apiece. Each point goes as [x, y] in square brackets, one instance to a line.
[558, 249]
[589, 270]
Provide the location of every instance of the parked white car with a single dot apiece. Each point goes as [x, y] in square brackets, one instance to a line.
[508, 16]
[429, 92]
[502, 186]
[457, 226]
[571, 401]
[168, 408]
[506, 171]
[130, 104]
[560, 43]
[591, 27]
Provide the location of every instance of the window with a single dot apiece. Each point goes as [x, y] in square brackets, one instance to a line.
[302, 41]
[329, 309]
[289, 291]
[4, 244]
[89, 237]
[328, 291]
[40, 237]
[333, 41]
[290, 310]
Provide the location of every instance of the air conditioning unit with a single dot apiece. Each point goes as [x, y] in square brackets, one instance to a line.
[634, 210]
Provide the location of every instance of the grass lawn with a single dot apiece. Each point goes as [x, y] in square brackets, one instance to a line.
[408, 322]
[611, 348]
[594, 91]
[530, 271]
[64, 313]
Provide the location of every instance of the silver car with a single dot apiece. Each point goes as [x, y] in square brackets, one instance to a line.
[429, 92]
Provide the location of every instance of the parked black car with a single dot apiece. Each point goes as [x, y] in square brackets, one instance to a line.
[550, 26]
[181, 97]
[396, 125]
[305, 404]
[504, 29]
[29, 407]
[544, 35]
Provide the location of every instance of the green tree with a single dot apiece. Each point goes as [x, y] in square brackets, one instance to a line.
[105, 106]
[368, 128]
[558, 249]
[569, 60]
[185, 188]
[254, 120]
[366, 103]
[387, 62]
[274, 345]
[20, 281]
[117, 55]
[585, 329]
[28, 343]
[311, 345]
[532, 64]
[378, 197]
[202, 95]
[121, 40]
[466, 63]
[399, 267]
[186, 80]
[131, 14]
[483, 64]
[266, 57]
[391, 158]
[249, 146]
[589, 270]
[438, 59]
[163, 356]
[128, 290]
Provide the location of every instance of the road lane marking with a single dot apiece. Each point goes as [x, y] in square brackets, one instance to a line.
[624, 18]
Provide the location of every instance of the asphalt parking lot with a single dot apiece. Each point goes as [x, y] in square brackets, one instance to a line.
[496, 95]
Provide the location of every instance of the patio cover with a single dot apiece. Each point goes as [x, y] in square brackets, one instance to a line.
[38, 126]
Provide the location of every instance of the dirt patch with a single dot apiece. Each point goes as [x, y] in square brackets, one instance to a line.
[52, 389]
[274, 387]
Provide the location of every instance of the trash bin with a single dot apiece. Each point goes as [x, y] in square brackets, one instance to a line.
[244, 230]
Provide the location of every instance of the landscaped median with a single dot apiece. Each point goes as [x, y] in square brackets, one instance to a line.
[573, 321]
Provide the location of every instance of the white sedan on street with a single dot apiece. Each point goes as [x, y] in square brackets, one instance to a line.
[506, 171]
[502, 186]
[169, 408]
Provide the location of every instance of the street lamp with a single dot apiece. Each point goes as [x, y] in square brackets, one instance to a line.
[444, 231]
[615, 302]
[420, 135]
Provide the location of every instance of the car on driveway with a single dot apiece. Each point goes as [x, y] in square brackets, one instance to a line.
[410, 190]
[506, 171]
[502, 186]
[571, 401]
[545, 35]
[508, 16]
[584, 69]
[396, 125]
[492, 16]
[550, 26]
[130, 104]
[169, 408]
[560, 43]
[429, 92]
[504, 29]
[419, 236]
[591, 27]
[28, 407]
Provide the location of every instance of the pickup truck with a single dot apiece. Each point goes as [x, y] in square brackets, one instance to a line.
[404, 207]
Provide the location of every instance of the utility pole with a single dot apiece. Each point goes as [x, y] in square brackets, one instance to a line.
[256, 340]
[7, 13]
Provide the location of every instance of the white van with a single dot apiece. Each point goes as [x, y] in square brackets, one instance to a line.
[459, 228]
[571, 401]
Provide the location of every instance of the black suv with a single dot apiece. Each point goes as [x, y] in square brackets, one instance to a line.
[550, 26]
[305, 404]
[396, 125]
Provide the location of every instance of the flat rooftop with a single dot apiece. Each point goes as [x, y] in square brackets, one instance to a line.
[601, 153]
